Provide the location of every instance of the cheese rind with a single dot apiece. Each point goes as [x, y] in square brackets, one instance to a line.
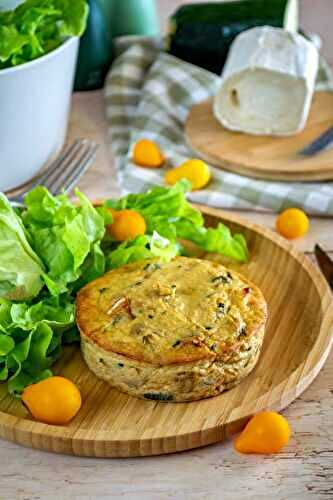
[267, 83]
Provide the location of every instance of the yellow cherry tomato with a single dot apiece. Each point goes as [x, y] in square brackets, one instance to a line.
[126, 225]
[147, 154]
[267, 432]
[292, 223]
[55, 400]
[196, 171]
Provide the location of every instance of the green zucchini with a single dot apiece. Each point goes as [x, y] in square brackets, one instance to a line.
[202, 33]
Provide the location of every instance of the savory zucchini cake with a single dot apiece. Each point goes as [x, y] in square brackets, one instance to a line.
[177, 331]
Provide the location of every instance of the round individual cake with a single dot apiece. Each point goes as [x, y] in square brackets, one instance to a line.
[171, 331]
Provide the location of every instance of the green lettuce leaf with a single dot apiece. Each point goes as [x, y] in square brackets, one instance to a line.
[57, 312]
[74, 16]
[7, 344]
[36, 27]
[167, 211]
[141, 248]
[11, 42]
[65, 236]
[32, 338]
[214, 240]
[92, 268]
[21, 269]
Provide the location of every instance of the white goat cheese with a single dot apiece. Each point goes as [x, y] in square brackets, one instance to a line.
[267, 82]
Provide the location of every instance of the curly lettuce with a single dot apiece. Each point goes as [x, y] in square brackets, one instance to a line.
[37, 27]
[48, 251]
[31, 339]
[21, 269]
[65, 236]
[167, 211]
[141, 248]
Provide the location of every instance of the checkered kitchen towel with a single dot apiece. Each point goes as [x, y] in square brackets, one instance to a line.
[149, 93]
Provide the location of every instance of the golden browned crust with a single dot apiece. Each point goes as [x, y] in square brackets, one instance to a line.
[183, 311]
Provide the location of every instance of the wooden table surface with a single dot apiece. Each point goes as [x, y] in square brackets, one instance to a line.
[304, 470]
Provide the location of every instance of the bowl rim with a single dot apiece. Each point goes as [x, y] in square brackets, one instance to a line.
[39, 60]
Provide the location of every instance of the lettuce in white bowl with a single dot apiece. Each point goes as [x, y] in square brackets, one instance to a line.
[36, 27]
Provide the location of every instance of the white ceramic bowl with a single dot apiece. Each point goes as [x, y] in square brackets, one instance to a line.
[34, 108]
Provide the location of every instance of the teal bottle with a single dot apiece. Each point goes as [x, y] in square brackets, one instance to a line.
[95, 52]
[134, 17]
[107, 19]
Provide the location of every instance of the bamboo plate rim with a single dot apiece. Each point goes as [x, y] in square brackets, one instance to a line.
[19, 429]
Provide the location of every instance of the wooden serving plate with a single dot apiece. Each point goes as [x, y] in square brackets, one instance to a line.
[263, 157]
[297, 343]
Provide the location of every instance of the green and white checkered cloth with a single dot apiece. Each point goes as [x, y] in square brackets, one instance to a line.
[149, 93]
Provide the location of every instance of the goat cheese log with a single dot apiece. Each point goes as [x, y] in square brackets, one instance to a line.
[267, 83]
[171, 331]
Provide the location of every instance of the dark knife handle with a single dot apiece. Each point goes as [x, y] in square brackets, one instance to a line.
[325, 264]
[318, 144]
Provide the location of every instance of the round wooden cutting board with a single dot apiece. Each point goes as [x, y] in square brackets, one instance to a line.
[297, 342]
[264, 157]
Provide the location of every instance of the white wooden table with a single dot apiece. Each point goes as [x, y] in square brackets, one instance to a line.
[304, 470]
